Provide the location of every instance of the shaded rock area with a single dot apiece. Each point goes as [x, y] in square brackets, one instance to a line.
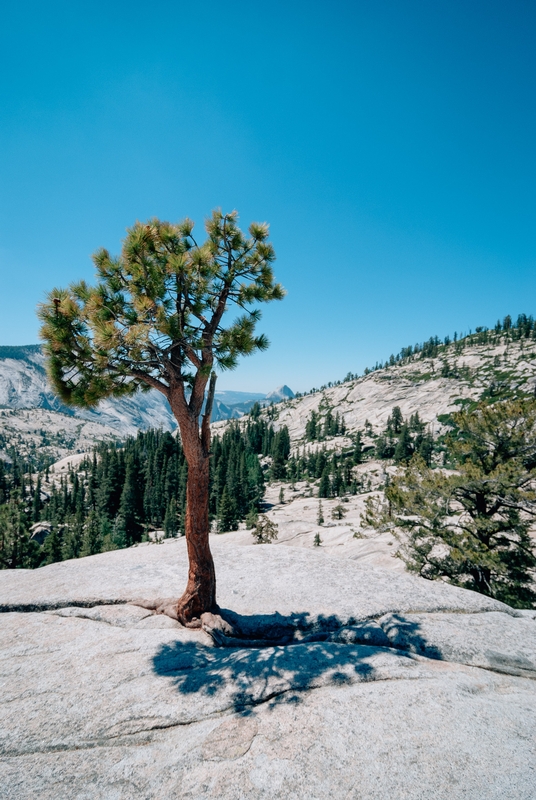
[375, 684]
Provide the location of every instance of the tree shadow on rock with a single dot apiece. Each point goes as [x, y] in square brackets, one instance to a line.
[242, 676]
[405, 634]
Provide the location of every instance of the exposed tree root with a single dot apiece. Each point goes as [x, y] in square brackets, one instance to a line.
[226, 628]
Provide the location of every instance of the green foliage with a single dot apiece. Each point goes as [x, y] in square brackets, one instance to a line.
[227, 512]
[92, 542]
[251, 518]
[265, 531]
[358, 448]
[338, 512]
[155, 317]
[53, 546]
[404, 447]
[311, 427]
[129, 520]
[280, 452]
[324, 487]
[317, 429]
[403, 438]
[171, 519]
[17, 550]
[74, 538]
[395, 421]
[472, 526]
[334, 470]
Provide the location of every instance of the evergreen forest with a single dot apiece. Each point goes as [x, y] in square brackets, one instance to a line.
[121, 494]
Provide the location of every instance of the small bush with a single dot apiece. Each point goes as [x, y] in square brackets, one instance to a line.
[265, 531]
[338, 512]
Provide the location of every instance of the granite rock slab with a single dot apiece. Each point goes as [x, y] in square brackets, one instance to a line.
[412, 689]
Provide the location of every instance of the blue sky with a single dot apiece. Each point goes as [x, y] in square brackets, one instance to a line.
[390, 145]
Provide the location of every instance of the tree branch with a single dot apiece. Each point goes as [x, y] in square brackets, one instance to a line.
[154, 382]
[205, 426]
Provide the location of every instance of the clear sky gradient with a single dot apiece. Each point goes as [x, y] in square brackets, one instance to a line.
[390, 145]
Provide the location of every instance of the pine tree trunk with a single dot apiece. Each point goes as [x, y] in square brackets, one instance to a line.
[200, 593]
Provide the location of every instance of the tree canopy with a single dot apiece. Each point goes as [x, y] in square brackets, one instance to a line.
[156, 315]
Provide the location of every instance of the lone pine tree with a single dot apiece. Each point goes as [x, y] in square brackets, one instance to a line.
[158, 318]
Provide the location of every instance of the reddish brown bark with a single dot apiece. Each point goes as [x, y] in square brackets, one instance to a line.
[199, 596]
[200, 593]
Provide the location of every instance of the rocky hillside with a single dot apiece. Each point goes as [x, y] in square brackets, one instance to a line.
[483, 364]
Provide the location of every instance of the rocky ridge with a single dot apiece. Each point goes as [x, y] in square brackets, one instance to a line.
[430, 386]
[32, 419]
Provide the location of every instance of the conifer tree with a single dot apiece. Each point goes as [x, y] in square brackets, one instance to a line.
[227, 516]
[156, 320]
[338, 512]
[3, 483]
[171, 527]
[15, 545]
[92, 537]
[473, 526]
[397, 420]
[265, 531]
[280, 454]
[311, 427]
[73, 537]
[129, 506]
[324, 487]
[36, 503]
[358, 448]
[53, 546]
[404, 446]
[381, 447]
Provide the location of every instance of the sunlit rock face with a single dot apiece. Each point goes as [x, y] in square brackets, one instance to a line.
[376, 683]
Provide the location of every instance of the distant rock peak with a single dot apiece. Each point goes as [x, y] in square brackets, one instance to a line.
[281, 393]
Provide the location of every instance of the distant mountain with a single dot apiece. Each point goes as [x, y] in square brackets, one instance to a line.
[24, 385]
[232, 405]
[231, 398]
[277, 395]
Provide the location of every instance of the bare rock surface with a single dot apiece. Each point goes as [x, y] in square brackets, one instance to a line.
[389, 686]
[310, 582]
